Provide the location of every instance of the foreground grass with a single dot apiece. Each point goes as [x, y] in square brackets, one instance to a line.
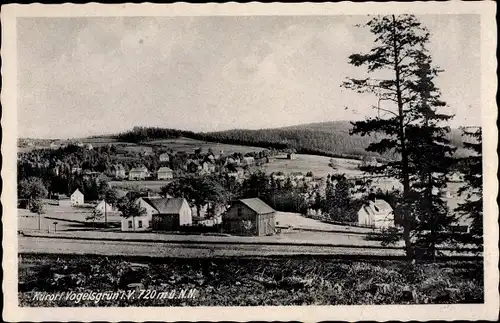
[251, 282]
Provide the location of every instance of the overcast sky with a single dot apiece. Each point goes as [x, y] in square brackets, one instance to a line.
[84, 76]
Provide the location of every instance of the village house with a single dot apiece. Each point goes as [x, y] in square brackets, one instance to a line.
[138, 173]
[139, 223]
[118, 171]
[161, 214]
[376, 214]
[105, 207]
[291, 156]
[165, 173]
[77, 198]
[250, 217]
[164, 158]
[89, 146]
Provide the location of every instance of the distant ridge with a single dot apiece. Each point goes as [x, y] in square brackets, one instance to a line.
[330, 138]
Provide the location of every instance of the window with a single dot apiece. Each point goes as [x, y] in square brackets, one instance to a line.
[139, 223]
[130, 224]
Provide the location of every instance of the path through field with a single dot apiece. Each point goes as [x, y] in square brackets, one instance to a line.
[179, 250]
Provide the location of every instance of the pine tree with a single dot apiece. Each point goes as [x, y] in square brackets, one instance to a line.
[341, 197]
[471, 168]
[431, 157]
[397, 64]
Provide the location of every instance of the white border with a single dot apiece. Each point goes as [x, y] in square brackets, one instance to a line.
[488, 311]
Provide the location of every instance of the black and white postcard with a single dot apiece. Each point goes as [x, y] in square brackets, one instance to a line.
[250, 162]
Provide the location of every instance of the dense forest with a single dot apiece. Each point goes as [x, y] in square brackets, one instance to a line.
[331, 139]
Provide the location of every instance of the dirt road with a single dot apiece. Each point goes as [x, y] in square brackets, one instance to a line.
[192, 250]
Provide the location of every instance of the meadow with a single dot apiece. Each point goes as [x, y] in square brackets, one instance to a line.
[319, 165]
[304, 280]
[189, 145]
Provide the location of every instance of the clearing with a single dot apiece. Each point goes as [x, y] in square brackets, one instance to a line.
[189, 145]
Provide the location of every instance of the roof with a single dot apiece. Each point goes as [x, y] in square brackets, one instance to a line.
[164, 169]
[121, 193]
[377, 206]
[77, 191]
[139, 169]
[257, 205]
[165, 205]
[382, 205]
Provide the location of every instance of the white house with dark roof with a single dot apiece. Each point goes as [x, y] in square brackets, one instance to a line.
[376, 214]
[138, 173]
[165, 173]
[161, 214]
[77, 198]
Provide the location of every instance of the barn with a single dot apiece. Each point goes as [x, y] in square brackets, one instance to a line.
[251, 217]
[376, 214]
[171, 213]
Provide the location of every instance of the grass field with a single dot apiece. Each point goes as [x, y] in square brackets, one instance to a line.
[68, 219]
[319, 165]
[189, 145]
[305, 280]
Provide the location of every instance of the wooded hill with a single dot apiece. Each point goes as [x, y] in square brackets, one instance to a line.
[325, 138]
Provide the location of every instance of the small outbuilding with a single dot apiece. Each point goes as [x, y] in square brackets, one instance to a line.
[251, 217]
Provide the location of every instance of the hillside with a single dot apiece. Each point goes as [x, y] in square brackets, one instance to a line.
[332, 139]
[324, 138]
